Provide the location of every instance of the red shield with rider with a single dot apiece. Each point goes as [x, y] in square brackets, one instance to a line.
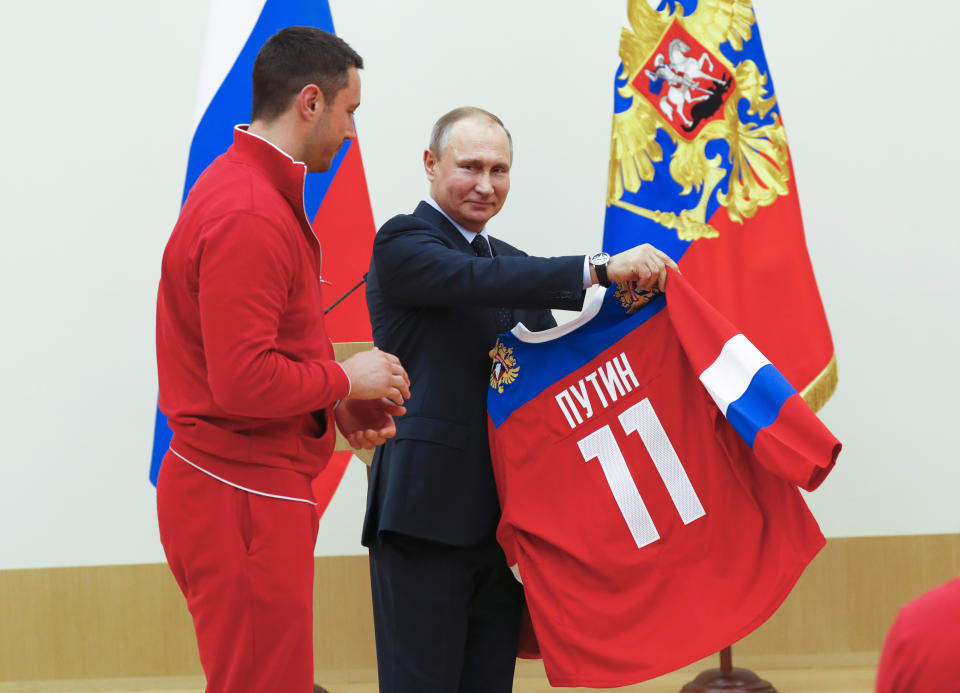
[686, 83]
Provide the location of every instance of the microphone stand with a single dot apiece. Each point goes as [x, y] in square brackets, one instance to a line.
[359, 284]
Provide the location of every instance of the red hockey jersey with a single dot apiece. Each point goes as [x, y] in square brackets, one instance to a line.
[647, 458]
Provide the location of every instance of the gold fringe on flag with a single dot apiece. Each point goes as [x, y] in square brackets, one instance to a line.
[821, 388]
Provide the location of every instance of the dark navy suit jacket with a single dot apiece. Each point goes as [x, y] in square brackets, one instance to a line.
[433, 303]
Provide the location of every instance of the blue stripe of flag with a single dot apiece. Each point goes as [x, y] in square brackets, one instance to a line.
[760, 404]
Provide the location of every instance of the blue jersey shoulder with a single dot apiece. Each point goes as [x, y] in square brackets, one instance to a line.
[527, 363]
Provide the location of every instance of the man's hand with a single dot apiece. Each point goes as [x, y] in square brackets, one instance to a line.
[374, 374]
[367, 423]
[643, 264]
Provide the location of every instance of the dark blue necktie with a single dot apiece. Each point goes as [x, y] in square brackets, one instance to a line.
[505, 319]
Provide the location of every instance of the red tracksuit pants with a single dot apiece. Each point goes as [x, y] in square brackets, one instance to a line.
[245, 564]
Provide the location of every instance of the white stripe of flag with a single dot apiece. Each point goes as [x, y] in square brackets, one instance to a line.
[229, 25]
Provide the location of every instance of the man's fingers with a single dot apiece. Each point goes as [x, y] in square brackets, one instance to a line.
[392, 409]
[358, 441]
[665, 259]
[644, 264]
[365, 440]
[373, 438]
[662, 255]
[388, 431]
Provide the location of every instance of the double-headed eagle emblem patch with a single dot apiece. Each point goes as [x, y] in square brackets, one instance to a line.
[678, 80]
[505, 369]
[632, 297]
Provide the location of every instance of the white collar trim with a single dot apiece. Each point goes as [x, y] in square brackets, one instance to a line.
[521, 332]
[244, 128]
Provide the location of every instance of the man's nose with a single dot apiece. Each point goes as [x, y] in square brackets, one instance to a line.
[483, 183]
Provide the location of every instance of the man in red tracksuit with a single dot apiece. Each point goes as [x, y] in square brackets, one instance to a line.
[921, 653]
[248, 379]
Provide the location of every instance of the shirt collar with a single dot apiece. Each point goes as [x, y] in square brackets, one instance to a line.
[467, 235]
[283, 171]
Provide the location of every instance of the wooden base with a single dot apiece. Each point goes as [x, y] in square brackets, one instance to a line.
[733, 681]
[727, 678]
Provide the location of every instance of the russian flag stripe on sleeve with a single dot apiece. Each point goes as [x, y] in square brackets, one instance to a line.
[748, 389]
[728, 378]
[760, 404]
[756, 399]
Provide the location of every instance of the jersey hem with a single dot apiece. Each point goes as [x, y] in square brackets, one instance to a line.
[777, 599]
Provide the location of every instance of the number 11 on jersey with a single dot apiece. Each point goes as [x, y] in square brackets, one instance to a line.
[601, 444]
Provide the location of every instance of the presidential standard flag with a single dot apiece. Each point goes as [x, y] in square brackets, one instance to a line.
[336, 200]
[700, 168]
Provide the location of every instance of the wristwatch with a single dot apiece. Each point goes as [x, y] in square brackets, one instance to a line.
[599, 262]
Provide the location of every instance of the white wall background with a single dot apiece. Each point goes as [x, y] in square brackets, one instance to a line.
[97, 114]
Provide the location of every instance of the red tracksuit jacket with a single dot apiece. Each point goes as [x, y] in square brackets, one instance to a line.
[246, 369]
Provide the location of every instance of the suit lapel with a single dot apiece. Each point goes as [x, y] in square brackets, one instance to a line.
[436, 219]
[429, 214]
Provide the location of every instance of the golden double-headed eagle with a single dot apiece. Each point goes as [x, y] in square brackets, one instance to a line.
[759, 159]
[504, 369]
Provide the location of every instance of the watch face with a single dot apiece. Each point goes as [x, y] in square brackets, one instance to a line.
[600, 259]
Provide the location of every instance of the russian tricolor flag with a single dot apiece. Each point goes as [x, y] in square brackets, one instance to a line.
[336, 200]
[758, 401]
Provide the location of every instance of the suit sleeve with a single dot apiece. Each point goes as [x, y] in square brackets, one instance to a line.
[545, 321]
[244, 274]
[415, 267]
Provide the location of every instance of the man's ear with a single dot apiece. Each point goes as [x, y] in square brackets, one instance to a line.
[310, 102]
[430, 162]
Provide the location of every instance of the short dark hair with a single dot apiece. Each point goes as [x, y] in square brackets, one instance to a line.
[293, 58]
[441, 129]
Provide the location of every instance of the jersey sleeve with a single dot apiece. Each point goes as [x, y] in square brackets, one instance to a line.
[783, 433]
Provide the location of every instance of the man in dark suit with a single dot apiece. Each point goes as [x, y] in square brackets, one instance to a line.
[446, 606]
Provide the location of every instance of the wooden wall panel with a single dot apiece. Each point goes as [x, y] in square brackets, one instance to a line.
[93, 622]
[343, 615]
[128, 621]
[849, 595]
